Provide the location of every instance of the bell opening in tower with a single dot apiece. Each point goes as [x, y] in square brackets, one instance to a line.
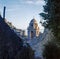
[32, 34]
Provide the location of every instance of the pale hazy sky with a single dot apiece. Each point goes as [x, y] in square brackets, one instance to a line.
[20, 12]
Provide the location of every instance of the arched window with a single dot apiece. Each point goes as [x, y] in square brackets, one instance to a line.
[32, 34]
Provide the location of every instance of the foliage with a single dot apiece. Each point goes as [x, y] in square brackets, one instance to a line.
[25, 53]
[51, 51]
[52, 16]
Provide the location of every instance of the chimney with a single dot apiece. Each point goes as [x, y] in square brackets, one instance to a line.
[4, 12]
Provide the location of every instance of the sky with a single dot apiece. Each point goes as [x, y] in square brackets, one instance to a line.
[21, 12]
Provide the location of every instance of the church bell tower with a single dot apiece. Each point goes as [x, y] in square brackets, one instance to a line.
[33, 29]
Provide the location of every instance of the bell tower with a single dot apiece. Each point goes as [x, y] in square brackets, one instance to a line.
[33, 29]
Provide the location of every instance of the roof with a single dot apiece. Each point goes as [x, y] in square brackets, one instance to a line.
[33, 21]
[9, 38]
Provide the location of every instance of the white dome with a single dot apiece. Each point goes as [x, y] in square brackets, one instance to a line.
[33, 21]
